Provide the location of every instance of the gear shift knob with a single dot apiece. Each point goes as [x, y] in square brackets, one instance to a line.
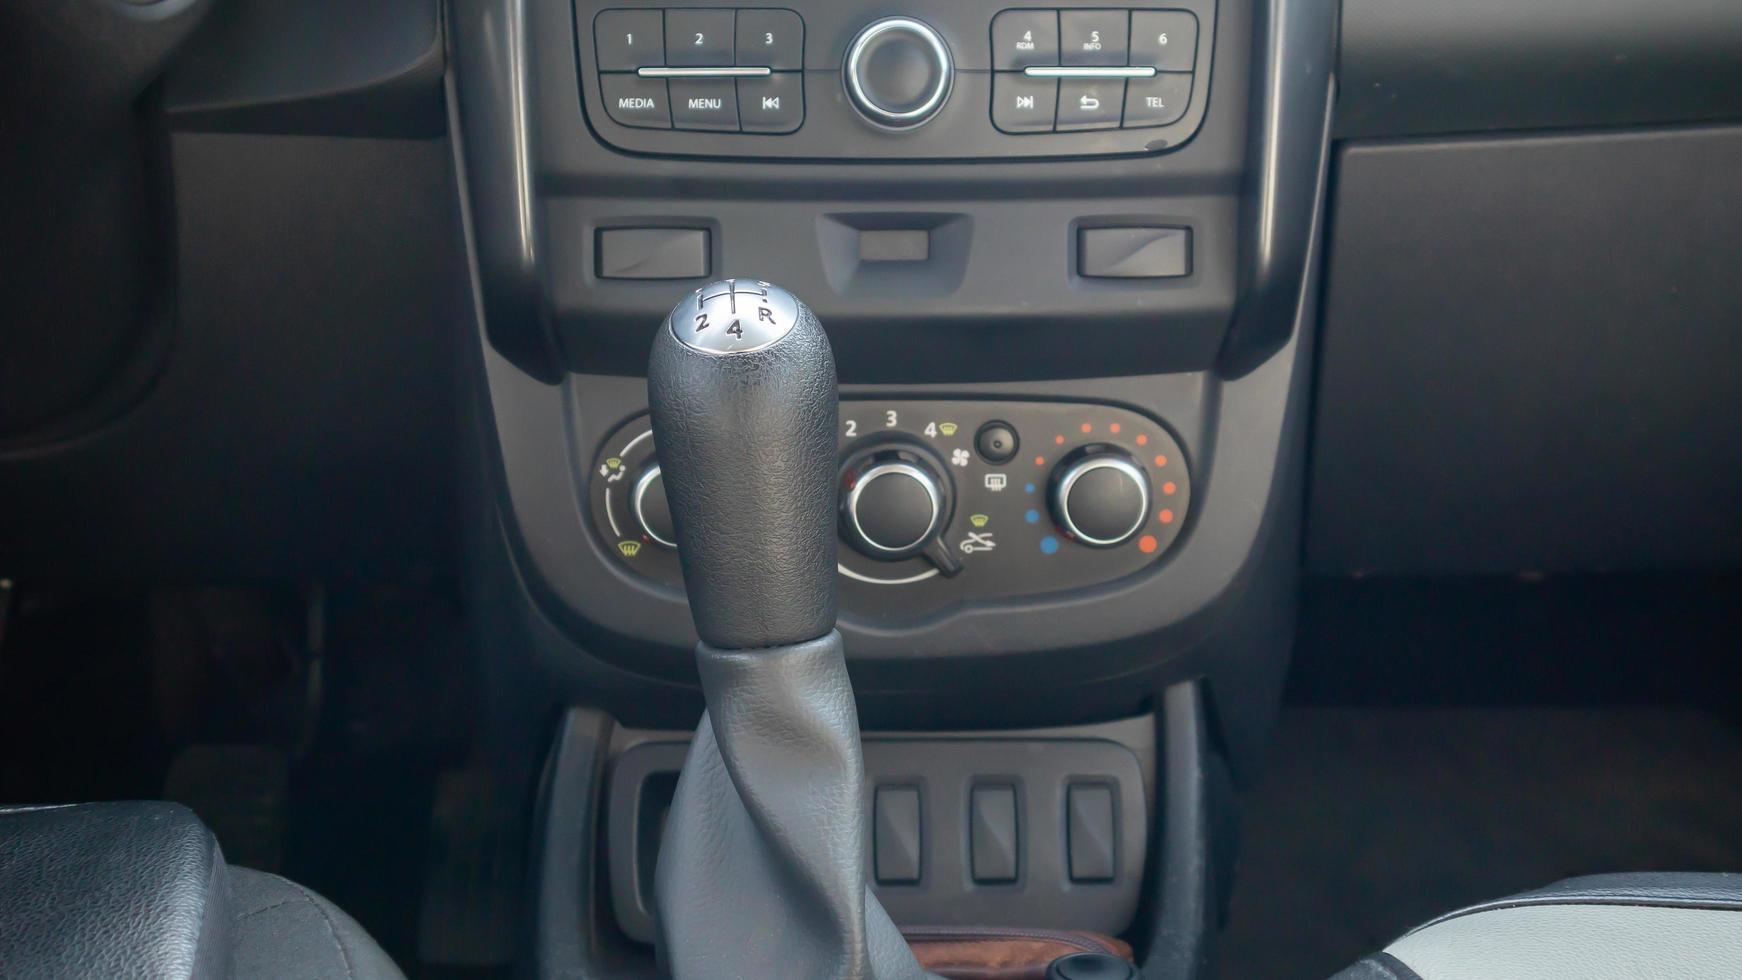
[766, 836]
[741, 386]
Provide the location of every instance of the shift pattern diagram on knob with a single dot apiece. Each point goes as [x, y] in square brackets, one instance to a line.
[1030, 498]
[735, 316]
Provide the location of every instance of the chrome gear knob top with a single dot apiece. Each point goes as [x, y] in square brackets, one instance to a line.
[733, 316]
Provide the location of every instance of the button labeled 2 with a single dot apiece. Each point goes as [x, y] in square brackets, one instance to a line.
[698, 38]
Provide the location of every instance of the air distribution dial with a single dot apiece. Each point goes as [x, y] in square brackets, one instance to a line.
[898, 72]
[893, 503]
[1100, 496]
[652, 512]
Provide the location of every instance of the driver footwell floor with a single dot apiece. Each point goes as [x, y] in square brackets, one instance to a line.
[1371, 820]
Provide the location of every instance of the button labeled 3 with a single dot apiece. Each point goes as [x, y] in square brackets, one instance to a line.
[771, 38]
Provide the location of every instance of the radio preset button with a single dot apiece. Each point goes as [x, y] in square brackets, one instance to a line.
[771, 38]
[1025, 37]
[629, 39]
[1165, 39]
[1093, 37]
[698, 38]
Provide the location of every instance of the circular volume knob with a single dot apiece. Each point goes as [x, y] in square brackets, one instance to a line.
[652, 511]
[898, 72]
[894, 505]
[1100, 495]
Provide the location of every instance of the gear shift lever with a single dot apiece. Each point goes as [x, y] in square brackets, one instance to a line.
[762, 869]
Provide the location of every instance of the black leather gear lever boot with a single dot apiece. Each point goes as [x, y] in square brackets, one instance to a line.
[762, 867]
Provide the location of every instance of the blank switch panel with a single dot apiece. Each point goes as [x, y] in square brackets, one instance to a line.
[1030, 833]
[1094, 836]
[897, 835]
[993, 831]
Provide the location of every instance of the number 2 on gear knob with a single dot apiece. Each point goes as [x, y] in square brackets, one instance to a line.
[741, 388]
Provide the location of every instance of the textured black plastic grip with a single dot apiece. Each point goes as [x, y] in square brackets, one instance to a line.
[747, 446]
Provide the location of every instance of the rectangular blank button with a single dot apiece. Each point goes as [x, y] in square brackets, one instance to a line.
[895, 835]
[993, 833]
[1091, 831]
[653, 253]
[1134, 253]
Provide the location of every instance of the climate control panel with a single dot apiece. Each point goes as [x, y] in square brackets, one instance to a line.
[949, 501]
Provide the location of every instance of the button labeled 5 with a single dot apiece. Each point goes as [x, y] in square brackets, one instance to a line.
[1093, 37]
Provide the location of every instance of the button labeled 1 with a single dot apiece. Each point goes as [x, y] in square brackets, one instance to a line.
[629, 39]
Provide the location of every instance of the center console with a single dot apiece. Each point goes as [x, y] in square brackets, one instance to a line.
[1066, 255]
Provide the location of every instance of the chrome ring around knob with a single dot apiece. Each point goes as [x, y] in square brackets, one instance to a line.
[1088, 465]
[636, 497]
[895, 468]
[934, 97]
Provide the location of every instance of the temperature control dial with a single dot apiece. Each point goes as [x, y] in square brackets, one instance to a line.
[1100, 496]
[894, 503]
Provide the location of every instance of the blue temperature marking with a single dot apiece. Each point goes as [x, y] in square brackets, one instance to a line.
[1048, 545]
[1028, 488]
[1032, 517]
